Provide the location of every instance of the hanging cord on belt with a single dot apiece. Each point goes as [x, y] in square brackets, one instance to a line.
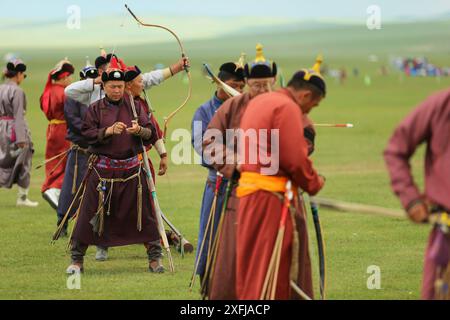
[105, 198]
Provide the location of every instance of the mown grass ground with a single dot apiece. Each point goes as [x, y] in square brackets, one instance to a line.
[351, 159]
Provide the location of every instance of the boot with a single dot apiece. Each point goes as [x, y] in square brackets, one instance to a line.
[75, 267]
[155, 266]
[52, 197]
[23, 201]
[174, 240]
[102, 254]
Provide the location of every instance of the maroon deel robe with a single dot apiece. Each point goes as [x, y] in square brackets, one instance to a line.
[121, 224]
[429, 123]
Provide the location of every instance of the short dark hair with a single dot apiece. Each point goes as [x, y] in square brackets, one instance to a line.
[300, 84]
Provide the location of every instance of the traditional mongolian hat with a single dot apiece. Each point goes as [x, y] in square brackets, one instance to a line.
[15, 66]
[313, 76]
[62, 69]
[114, 72]
[233, 69]
[260, 67]
[89, 71]
[103, 58]
[131, 73]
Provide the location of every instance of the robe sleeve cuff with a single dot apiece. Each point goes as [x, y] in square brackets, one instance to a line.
[160, 147]
[101, 136]
[167, 73]
[145, 133]
[413, 203]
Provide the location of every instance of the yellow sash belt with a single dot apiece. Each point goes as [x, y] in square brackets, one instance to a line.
[251, 182]
[57, 121]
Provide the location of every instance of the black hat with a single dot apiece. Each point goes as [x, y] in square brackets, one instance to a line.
[16, 66]
[231, 70]
[260, 70]
[104, 59]
[113, 75]
[260, 67]
[313, 78]
[131, 73]
[100, 61]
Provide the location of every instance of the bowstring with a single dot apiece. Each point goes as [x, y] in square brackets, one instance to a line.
[121, 25]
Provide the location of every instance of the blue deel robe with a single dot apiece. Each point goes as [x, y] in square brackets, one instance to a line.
[203, 115]
[74, 113]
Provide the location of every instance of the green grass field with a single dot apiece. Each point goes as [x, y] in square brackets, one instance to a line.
[351, 159]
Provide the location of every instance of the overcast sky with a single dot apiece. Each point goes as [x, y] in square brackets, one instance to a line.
[301, 9]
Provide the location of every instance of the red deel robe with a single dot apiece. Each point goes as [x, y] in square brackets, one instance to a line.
[159, 132]
[259, 213]
[52, 104]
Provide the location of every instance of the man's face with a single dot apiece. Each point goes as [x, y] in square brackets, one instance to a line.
[136, 86]
[101, 69]
[114, 89]
[307, 101]
[237, 85]
[66, 81]
[20, 77]
[260, 86]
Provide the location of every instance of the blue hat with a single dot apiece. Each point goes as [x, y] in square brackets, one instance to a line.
[89, 72]
[260, 67]
[313, 78]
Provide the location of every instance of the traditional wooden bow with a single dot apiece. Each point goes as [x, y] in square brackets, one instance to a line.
[186, 68]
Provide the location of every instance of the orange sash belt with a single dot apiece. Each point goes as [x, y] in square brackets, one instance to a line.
[251, 182]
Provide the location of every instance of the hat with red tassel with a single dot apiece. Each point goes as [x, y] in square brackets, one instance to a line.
[114, 72]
